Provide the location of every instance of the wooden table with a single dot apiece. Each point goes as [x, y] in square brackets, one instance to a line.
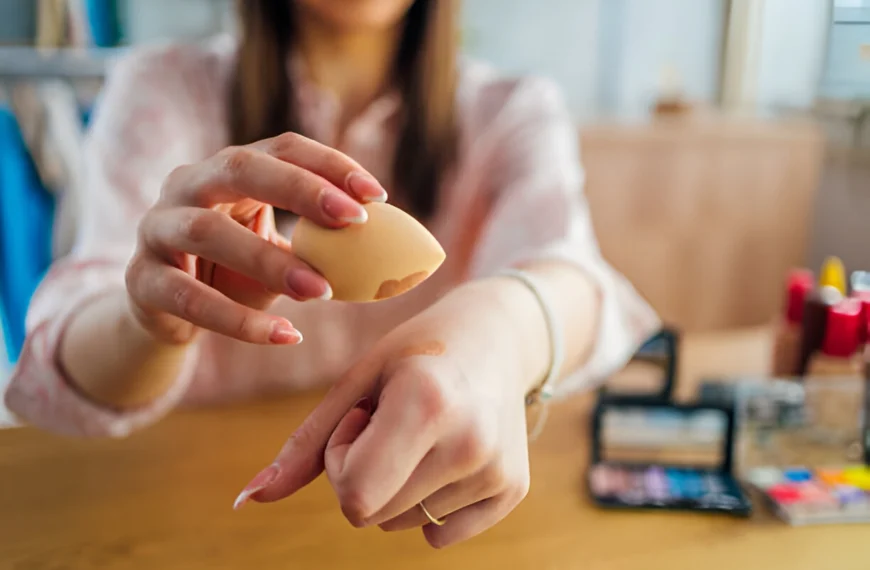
[162, 500]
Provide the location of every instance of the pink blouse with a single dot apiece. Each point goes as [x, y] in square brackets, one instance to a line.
[515, 195]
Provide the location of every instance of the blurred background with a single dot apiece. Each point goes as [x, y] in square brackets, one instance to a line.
[724, 140]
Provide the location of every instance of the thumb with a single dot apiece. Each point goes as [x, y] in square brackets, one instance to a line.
[301, 459]
[345, 434]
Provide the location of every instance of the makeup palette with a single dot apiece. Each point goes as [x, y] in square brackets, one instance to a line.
[657, 455]
[655, 486]
[802, 496]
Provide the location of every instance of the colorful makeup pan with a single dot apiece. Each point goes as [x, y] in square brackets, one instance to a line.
[657, 484]
[803, 496]
[657, 487]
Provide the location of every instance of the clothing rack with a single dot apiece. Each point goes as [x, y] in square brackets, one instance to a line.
[23, 62]
[44, 94]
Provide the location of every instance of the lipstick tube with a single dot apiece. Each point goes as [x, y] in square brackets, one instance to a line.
[789, 330]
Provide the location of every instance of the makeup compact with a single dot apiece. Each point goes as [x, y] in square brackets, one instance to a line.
[780, 424]
[651, 371]
[763, 403]
[804, 496]
[655, 455]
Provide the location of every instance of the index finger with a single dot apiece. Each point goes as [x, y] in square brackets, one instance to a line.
[239, 173]
[301, 459]
[333, 165]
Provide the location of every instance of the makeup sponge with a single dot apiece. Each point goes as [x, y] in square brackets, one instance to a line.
[386, 256]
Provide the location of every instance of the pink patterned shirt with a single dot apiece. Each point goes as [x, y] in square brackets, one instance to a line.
[515, 195]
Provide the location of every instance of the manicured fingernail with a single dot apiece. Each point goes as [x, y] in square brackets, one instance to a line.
[284, 333]
[339, 206]
[306, 285]
[365, 187]
[364, 404]
[327, 294]
[260, 481]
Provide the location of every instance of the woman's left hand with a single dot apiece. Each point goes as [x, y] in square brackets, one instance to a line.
[434, 414]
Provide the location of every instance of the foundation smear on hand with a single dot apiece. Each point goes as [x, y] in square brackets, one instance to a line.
[427, 348]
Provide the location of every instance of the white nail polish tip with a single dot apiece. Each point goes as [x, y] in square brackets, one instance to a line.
[327, 295]
[379, 199]
[244, 496]
[361, 219]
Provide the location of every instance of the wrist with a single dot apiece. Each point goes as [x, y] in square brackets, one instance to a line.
[530, 334]
[515, 327]
[107, 355]
[144, 328]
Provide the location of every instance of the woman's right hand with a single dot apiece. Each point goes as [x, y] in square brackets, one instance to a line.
[208, 254]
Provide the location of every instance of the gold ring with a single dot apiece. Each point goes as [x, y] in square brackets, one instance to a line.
[433, 520]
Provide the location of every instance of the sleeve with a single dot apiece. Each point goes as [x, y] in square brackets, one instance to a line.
[539, 212]
[137, 136]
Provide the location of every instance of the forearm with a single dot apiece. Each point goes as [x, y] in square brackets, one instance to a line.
[112, 360]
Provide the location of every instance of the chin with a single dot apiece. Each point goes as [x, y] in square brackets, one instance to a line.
[357, 14]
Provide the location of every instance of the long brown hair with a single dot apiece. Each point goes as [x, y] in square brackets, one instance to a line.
[425, 72]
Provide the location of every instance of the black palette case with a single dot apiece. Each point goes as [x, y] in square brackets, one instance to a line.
[630, 482]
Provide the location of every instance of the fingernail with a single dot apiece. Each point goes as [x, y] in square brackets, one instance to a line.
[365, 187]
[364, 404]
[339, 206]
[260, 481]
[306, 285]
[284, 333]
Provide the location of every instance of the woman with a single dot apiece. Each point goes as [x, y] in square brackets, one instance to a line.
[425, 425]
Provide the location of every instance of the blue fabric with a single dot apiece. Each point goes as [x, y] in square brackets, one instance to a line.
[102, 18]
[87, 112]
[26, 216]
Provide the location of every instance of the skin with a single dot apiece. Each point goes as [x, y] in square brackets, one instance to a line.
[434, 412]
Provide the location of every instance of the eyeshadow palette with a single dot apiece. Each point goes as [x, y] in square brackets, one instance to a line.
[802, 496]
[656, 455]
[675, 488]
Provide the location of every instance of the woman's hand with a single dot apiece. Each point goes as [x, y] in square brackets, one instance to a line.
[208, 254]
[439, 418]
